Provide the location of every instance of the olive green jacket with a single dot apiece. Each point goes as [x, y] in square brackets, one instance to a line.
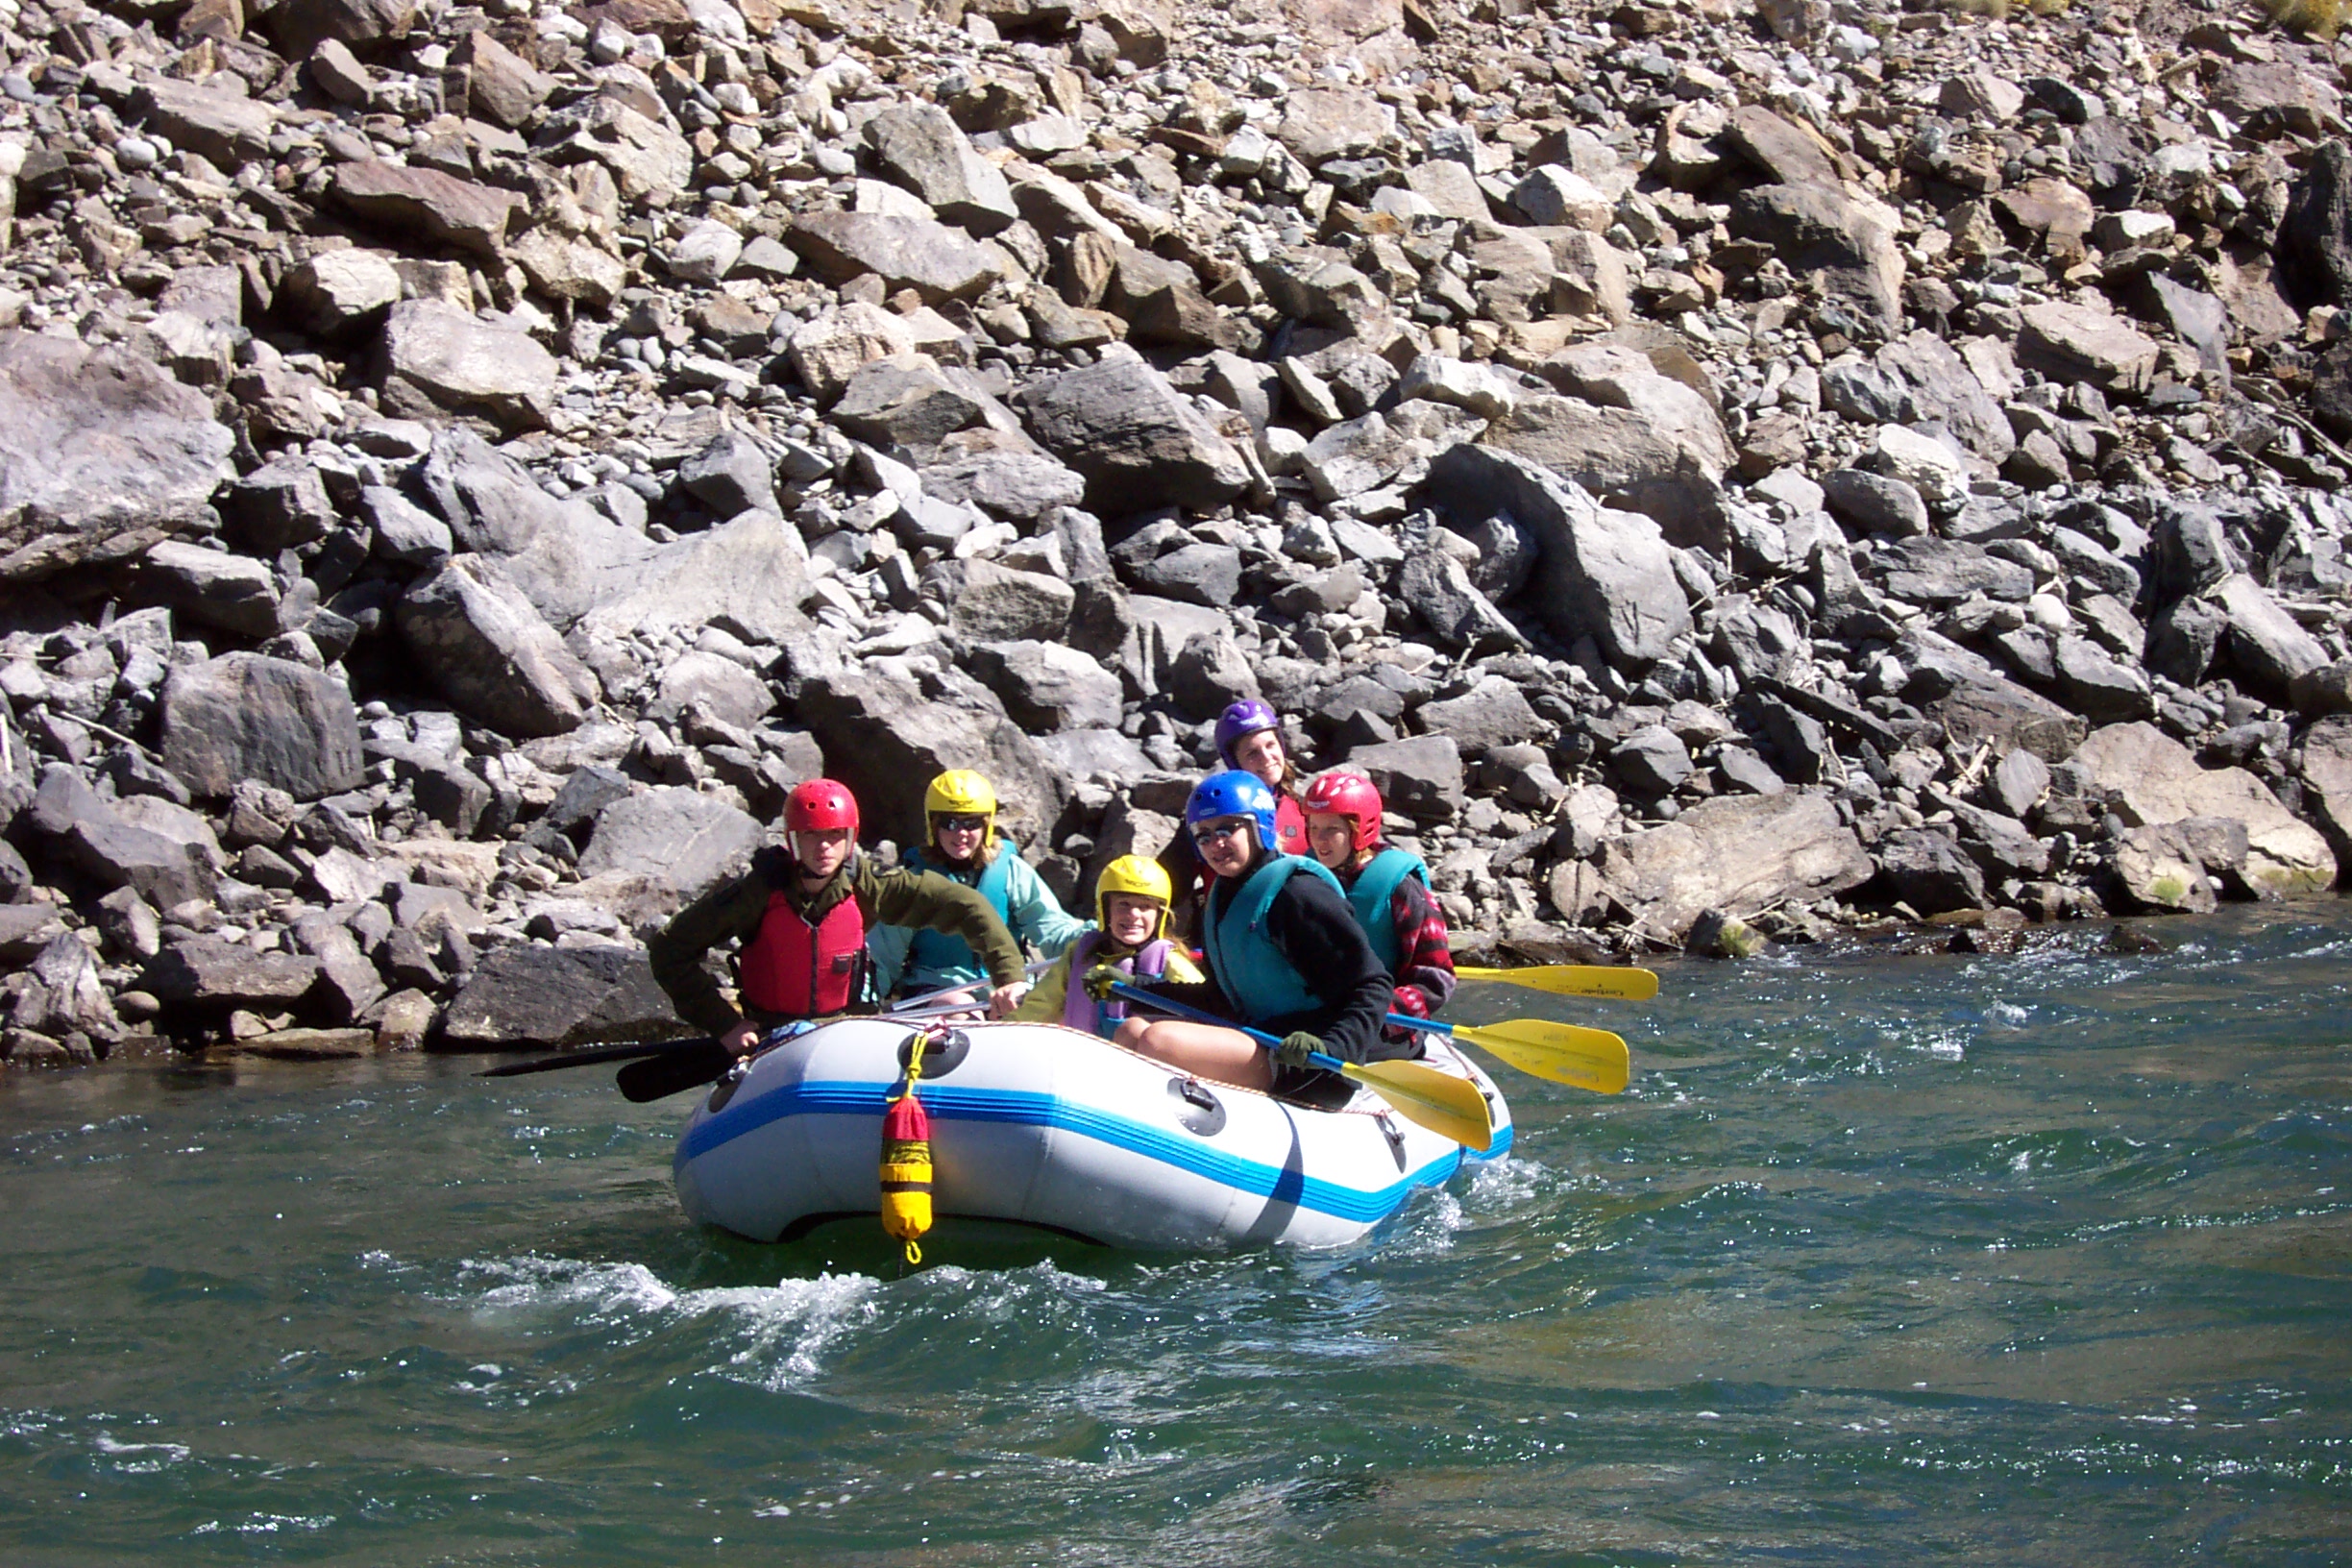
[732, 912]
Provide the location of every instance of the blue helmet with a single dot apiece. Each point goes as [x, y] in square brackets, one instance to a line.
[1238, 721]
[1232, 793]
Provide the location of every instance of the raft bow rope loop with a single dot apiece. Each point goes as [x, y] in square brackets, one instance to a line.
[906, 1158]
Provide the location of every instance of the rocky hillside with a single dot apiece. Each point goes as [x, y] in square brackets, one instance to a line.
[1726, 471]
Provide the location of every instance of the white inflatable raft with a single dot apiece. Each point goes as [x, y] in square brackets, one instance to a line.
[1044, 1126]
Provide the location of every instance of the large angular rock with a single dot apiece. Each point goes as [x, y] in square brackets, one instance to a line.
[887, 738]
[1918, 380]
[645, 157]
[528, 995]
[505, 89]
[987, 470]
[210, 975]
[1603, 573]
[1438, 589]
[225, 126]
[1992, 708]
[1133, 438]
[478, 639]
[2072, 343]
[2155, 780]
[438, 359]
[1490, 714]
[2267, 645]
[938, 262]
[828, 348]
[1000, 604]
[363, 26]
[1738, 853]
[924, 151]
[2327, 784]
[409, 201]
[161, 869]
[340, 293]
[1931, 570]
[1815, 228]
[744, 575]
[102, 454]
[61, 992]
[565, 556]
[686, 838]
[1924, 868]
[1046, 686]
[1322, 123]
[2315, 243]
[244, 715]
[1420, 776]
[906, 407]
[214, 587]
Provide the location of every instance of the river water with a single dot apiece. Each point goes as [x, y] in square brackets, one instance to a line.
[2044, 1259]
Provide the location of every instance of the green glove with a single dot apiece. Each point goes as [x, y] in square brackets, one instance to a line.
[1100, 979]
[1296, 1047]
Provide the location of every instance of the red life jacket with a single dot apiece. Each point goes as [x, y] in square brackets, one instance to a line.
[796, 971]
[1290, 826]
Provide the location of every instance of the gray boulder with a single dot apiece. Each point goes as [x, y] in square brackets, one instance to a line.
[940, 263]
[919, 147]
[247, 717]
[1925, 869]
[888, 738]
[717, 685]
[1002, 603]
[410, 201]
[1737, 854]
[747, 575]
[1133, 438]
[685, 838]
[1491, 713]
[2154, 779]
[213, 587]
[1438, 589]
[208, 974]
[363, 26]
[564, 557]
[530, 995]
[2267, 645]
[1046, 686]
[1652, 761]
[1919, 379]
[1603, 574]
[1817, 230]
[102, 454]
[732, 474]
[480, 641]
[437, 360]
[1420, 776]
[2327, 783]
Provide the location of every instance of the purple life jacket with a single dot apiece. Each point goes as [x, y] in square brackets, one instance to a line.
[1082, 1011]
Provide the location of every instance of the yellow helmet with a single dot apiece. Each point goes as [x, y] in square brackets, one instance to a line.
[959, 792]
[1138, 878]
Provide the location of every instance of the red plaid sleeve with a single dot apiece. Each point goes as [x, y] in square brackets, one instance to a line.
[1425, 977]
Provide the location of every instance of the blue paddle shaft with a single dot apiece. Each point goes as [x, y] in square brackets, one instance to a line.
[1185, 1009]
[1429, 1025]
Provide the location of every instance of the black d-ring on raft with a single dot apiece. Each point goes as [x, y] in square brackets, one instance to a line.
[944, 1054]
[1198, 1110]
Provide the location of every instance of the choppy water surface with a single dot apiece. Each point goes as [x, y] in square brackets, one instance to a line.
[2029, 1259]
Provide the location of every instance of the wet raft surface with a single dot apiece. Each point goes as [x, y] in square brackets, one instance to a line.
[2039, 1260]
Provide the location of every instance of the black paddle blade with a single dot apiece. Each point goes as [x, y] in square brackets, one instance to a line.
[674, 1072]
[588, 1057]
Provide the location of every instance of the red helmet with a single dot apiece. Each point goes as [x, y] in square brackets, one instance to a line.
[1350, 796]
[819, 803]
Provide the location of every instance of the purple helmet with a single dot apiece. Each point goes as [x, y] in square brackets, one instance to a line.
[1236, 723]
[1234, 794]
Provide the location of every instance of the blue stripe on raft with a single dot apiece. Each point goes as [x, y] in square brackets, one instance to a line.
[1023, 1109]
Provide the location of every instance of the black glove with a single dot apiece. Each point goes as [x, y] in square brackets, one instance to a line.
[1100, 979]
[1296, 1047]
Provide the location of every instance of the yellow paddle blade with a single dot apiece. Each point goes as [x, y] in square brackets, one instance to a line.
[1566, 1053]
[1609, 980]
[1448, 1105]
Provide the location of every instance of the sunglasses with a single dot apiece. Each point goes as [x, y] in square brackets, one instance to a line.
[1211, 832]
[961, 825]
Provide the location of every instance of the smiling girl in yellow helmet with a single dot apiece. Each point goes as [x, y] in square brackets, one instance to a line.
[963, 845]
[1131, 908]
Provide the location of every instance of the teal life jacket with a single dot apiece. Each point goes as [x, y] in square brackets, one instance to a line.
[1370, 896]
[935, 954]
[1247, 966]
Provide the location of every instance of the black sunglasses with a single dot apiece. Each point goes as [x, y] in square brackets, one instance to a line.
[961, 825]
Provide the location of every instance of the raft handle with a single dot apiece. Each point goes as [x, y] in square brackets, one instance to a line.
[1396, 1135]
[945, 1052]
[1198, 1111]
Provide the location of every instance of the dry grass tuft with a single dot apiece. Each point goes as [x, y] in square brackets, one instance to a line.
[2320, 18]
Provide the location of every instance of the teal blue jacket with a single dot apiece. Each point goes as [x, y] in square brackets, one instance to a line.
[914, 962]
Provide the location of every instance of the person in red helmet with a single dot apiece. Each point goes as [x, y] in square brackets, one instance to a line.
[802, 913]
[1388, 888]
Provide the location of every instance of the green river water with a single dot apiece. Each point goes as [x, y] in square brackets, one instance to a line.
[2044, 1259]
